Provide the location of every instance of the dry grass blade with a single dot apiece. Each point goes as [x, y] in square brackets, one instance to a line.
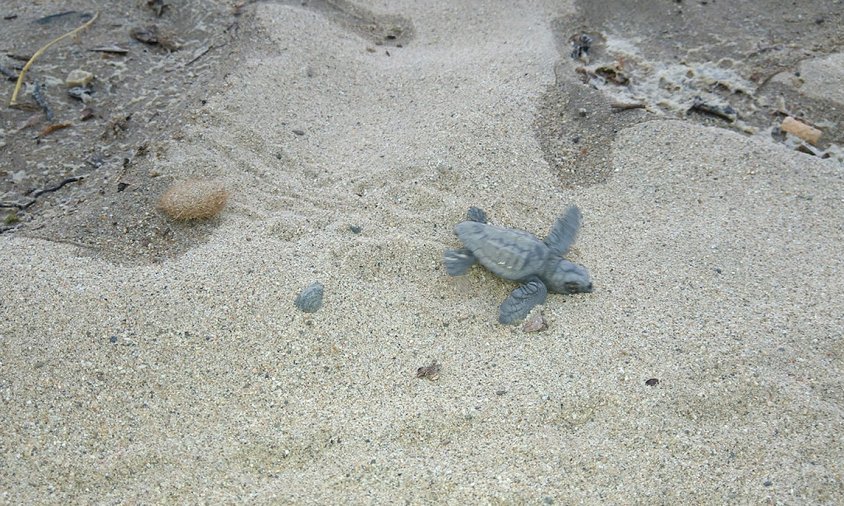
[38, 53]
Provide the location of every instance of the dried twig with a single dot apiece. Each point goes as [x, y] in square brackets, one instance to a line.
[626, 106]
[14, 101]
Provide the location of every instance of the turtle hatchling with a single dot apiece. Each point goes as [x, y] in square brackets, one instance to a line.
[520, 256]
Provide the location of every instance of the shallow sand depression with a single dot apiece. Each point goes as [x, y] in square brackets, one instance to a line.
[716, 259]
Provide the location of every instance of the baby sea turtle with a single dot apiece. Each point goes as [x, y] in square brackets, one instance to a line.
[520, 256]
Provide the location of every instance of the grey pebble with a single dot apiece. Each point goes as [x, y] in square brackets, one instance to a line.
[309, 300]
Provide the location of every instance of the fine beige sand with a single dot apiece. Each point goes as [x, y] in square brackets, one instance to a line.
[716, 257]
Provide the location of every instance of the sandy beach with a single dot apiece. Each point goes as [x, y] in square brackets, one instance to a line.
[707, 367]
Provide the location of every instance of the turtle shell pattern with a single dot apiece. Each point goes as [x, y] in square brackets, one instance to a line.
[511, 254]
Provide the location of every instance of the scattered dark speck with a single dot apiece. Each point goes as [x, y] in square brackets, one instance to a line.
[299, 132]
[112, 339]
[355, 229]
[500, 392]
[768, 483]
[717, 270]
[122, 186]
[652, 382]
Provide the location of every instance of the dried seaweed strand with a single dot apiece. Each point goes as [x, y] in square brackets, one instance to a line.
[41, 101]
[14, 101]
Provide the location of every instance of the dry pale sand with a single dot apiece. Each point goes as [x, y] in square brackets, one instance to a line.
[716, 258]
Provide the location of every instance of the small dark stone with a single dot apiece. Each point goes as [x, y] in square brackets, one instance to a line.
[768, 483]
[310, 299]
[355, 229]
[652, 382]
[112, 339]
[500, 392]
[299, 132]
[717, 270]
[122, 186]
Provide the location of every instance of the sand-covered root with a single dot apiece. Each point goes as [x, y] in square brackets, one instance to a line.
[193, 199]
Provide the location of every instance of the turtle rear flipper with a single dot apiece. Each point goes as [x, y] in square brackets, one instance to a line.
[458, 261]
[564, 232]
[518, 305]
[477, 214]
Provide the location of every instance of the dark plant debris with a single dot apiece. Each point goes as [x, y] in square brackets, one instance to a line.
[429, 372]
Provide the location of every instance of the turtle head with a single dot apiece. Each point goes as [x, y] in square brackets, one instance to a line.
[567, 277]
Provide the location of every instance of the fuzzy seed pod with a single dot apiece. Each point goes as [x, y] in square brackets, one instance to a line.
[194, 199]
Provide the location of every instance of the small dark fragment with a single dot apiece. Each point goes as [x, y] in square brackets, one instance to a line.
[38, 95]
[147, 35]
[82, 93]
[10, 74]
[46, 20]
[122, 186]
[114, 48]
[722, 111]
[581, 44]
[157, 6]
[112, 339]
[652, 382]
[299, 132]
[476, 214]
[355, 229]
[87, 113]
[309, 300]
[10, 17]
[429, 372]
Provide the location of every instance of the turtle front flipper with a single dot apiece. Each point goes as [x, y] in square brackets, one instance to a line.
[517, 306]
[564, 232]
[458, 261]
